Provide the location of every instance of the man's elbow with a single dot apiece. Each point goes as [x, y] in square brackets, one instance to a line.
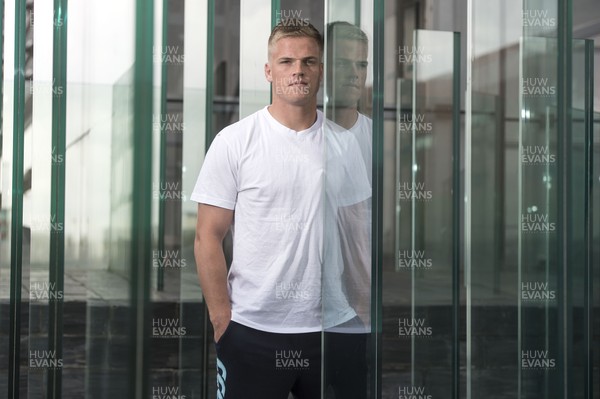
[205, 245]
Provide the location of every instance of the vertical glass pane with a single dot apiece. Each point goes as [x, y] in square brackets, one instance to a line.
[220, 90]
[96, 61]
[5, 219]
[36, 217]
[255, 26]
[7, 165]
[433, 194]
[539, 272]
[177, 333]
[168, 328]
[417, 289]
[595, 209]
[44, 156]
[525, 193]
[346, 281]
[578, 190]
[493, 112]
[519, 283]
[545, 220]
[422, 199]
[98, 194]
[596, 234]
[196, 373]
[541, 279]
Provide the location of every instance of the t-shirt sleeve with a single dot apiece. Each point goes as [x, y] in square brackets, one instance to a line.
[217, 181]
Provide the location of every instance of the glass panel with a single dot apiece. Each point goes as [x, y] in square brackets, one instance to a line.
[219, 91]
[578, 190]
[99, 194]
[594, 76]
[195, 377]
[347, 258]
[226, 66]
[537, 351]
[491, 209]
[539, 272]
[14, 314]
[168, 327]
[5, 201]
[418, 284]
[596, 239]
[43, 223]
[526, 247]
[93, 296]
[529, 221]
[254, 30]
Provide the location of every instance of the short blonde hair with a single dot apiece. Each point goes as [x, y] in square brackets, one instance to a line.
[294, 27]
[339, 30]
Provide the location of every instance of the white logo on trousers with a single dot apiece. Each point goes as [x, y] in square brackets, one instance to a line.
[221, 377]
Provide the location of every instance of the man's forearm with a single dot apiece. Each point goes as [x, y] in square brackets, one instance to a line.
[354, 223]
[212, 271]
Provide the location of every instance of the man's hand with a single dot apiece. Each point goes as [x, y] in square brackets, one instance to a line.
[220, 325]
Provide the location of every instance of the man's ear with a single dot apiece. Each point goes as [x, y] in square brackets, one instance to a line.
[268, 73]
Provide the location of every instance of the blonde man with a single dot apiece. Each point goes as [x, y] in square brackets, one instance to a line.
[268, 170]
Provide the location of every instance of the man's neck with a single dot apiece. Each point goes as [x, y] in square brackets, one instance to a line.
[346, 117]
[294, 117]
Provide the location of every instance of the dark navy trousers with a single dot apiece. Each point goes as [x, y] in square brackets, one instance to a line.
[254, 364]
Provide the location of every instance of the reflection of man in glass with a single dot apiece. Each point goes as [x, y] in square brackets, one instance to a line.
[347, 51]
[269, 171]
[345, 344]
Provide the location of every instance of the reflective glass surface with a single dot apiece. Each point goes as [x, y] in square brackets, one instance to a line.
[461, 183]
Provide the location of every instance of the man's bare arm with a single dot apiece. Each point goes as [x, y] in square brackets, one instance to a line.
[354, 223]
[212, 225]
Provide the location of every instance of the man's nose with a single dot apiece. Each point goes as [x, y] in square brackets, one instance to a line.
[353, 69]
[298, 68]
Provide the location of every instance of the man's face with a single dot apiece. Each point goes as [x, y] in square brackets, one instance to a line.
[295, 70]
[347, 72]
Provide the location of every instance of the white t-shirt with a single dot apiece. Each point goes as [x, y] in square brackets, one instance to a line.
[276, 181]
[352, 239]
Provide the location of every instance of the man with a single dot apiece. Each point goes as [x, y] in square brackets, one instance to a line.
[269, 170]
